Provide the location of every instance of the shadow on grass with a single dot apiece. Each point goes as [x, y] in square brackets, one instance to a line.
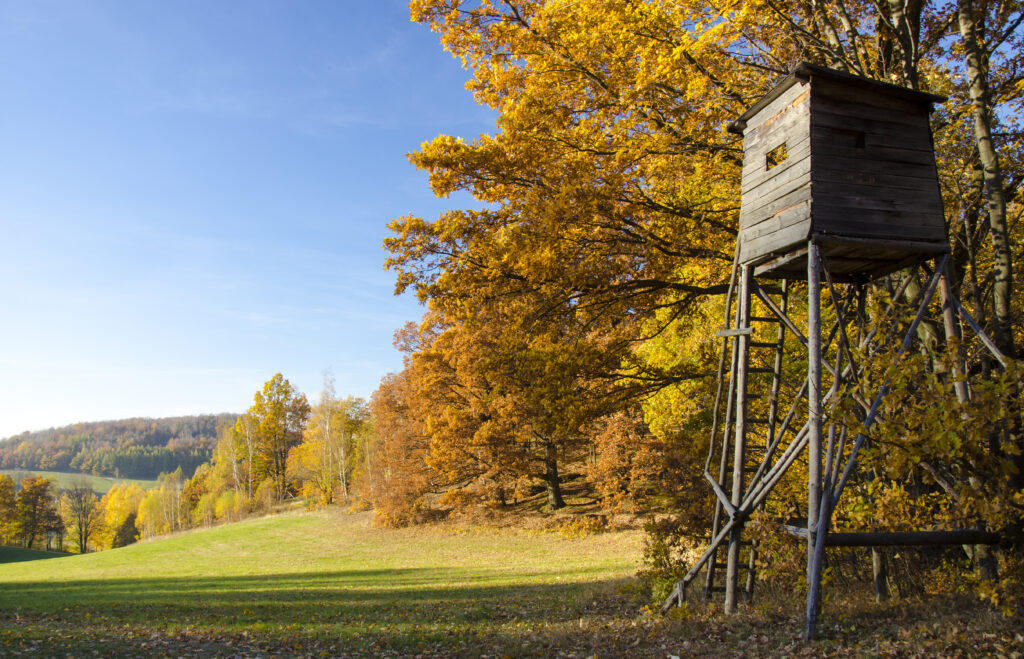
[18, 555]
[437, 612]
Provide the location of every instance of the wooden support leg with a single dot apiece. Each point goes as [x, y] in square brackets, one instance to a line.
[739, 446]
[723, 465]
[825, 511]
[813, 399]
[828, 501]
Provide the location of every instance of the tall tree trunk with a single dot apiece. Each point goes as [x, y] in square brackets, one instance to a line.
[329, 493]
[906, 18]
[976, 66]
[280, 455]
[880, 575]
[344, 466]
[234, 471]
[972, 27]
[250, 444]
[551, 480]
[369, 465]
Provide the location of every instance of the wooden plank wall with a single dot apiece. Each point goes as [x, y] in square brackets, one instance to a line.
[860, 165]
[874, 166]
[775, 210]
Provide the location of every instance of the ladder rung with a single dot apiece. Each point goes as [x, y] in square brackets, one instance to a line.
[737, 331]
[759, 369]
[763, 344]
[721, 565]
[756, 419]
[764, 319]
[716, 589]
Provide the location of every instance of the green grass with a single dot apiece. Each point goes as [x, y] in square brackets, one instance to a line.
[100, 484]
[327, 584]
[318, 581]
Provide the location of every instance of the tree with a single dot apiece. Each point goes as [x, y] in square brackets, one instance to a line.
[243, 438]
[120, 503]
[323, 461]
[7, 508]
[227, 460]
[82, 514]
[404, 477]
[989, 38]
[279, 414]
[503, 405]
[609, 194]
[498, 407]
[611, 181]
[230, 506]
[150, 519]
[35, 513]
[205, 510]
[313, 461]
[171, 494]
[126, 533]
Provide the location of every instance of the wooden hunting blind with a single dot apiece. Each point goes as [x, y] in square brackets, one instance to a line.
[839, 188]
[842, 160]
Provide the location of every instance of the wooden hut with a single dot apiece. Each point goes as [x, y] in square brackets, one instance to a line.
[845, 161]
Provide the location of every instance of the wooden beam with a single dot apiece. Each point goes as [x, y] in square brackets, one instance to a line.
[740, 442]
[916, 246]
[925, 297]
[768, 267]
[723, 498]
[723, 462]
[902, 538]
[783, 318]
[739, 331]
[813, 397]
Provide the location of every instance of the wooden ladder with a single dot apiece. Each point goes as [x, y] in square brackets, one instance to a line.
[761, 358]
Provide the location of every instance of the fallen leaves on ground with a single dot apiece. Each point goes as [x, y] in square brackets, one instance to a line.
[608, 627]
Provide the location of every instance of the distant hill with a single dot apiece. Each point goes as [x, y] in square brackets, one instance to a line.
[127, 448]
[65, 480]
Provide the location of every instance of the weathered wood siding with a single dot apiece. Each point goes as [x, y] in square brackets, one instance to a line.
[775, 210]
[874, 166]
[859, 171]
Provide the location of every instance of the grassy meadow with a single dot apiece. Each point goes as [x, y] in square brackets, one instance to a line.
[316, 582]
[99, 484]
[326, 583]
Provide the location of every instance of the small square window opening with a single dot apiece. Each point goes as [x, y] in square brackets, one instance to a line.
[776, 156]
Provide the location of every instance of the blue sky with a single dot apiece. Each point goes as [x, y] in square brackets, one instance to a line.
[193, 197]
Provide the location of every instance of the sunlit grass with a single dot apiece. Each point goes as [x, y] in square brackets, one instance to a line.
[327, 584]
[319, 578]
[65, 480]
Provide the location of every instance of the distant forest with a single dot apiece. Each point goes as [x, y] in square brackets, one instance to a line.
[127, 448]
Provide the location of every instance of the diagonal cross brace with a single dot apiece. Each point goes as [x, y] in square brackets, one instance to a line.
[831, 495]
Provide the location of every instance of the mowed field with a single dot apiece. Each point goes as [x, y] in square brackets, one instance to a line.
[99, 484]
[328, 584]
[318, 584]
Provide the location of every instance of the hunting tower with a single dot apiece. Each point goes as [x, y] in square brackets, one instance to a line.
[846, 162]
[839, 189]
